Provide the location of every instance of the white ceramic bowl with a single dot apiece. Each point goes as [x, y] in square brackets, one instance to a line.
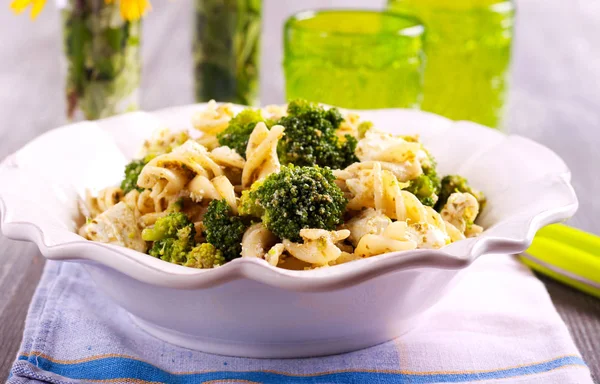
[247, 307]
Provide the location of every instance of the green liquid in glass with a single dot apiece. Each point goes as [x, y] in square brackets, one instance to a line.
[226, 50]
[354, 59]
[468, 54]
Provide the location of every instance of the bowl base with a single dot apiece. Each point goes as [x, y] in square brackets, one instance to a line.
[271, 350]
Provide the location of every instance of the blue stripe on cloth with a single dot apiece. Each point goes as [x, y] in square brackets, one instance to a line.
[113, 368]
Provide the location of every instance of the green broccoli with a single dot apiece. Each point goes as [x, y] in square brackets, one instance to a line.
[310, 137]
[173, 237]
[426, 186]
[347, 151]
[171, 249]
[167, 226]
[132, 172]
[205, 256]
[223, 229]
[247, 205]
[237, 133]
[296, 198]
[175, 206]
[455, 183]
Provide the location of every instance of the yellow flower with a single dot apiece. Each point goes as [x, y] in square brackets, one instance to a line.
[133, 9]
[18, 6]
[130, 9]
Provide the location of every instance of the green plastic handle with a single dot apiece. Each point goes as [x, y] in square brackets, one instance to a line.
[572, 236]
[568, 255]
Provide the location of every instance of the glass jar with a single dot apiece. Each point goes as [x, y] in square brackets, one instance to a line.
[354, 59]
[226, 50]
[102, 59]
[468, 55]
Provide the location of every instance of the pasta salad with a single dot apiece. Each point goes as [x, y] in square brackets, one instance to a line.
[300, 186]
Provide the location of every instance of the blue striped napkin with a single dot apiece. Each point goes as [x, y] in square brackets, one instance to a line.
[497, 325]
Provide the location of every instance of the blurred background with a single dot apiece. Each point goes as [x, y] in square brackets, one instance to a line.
[554, 94]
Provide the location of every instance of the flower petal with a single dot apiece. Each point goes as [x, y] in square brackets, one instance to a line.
[37, 7]
[134, 9]
[18, 6]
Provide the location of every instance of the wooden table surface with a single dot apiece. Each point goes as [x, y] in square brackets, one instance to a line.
[554, 99]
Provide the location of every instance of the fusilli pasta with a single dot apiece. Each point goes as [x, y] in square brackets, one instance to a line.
[257, 241]
[319, 247]
[261, 154]
[392, 239]
[384, 147]
[105, 199]
[117, 225]
[216, 189]
[293, 216]
[213, 119]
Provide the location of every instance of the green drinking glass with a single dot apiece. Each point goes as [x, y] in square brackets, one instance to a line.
[468, 56]
[226, 50]
[354, 59]
[102, 59]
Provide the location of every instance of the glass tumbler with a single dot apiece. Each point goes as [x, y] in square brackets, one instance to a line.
[102, 59]
[226, 50]
[354, 58]
[468, 56]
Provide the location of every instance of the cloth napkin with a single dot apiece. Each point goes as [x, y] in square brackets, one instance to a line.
[497, 325]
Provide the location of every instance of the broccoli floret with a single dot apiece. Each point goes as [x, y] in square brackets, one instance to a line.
[347, 150]
[427, 186]
[174, 249]
[237, 133]
[247, 206]
[223, 229]
[205, 256]
[455, 183]
[171, 249]
[310, 137]
[173, 237]
[168, 227]
[297, 198]
[175, 206]
[132, 172]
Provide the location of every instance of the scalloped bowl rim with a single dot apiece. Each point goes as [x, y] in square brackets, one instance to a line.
[138, 266]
